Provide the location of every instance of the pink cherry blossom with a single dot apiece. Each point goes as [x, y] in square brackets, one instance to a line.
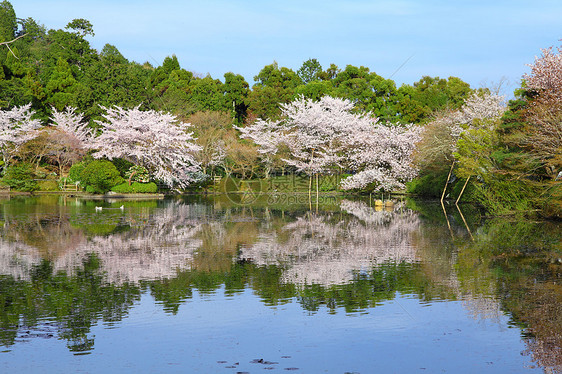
[16, 128]
[155, 140]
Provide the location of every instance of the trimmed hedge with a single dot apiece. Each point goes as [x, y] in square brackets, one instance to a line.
[100, 176]
[136, 187]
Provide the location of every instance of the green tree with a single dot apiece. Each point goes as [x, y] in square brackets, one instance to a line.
[273, 76]
[207, 94]
[236, 91]
[369, 91]
[8, 22]
[330, 73]
[161, 73]
[309, 71]
[273, 86]
[81, 26]
[111, 55]
[316, 89]
[112, 80]
[32, 29]
[69, 46]
[61, 86]
[20, 177]
[440, 94]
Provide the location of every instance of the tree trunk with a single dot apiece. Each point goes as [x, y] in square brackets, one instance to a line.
[447, 182]
[131, 177]
[463, 187]
[317, 189]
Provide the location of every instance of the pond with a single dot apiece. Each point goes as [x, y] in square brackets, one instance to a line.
[217, 284]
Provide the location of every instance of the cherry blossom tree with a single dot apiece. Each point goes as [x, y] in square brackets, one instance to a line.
[155, 140]
[382, 157]
[73, 124]
[326, 134]
[546, 73]
[439, 140]
[16, 128]
[267, 136]
[70, 138]
[474, 127]
[315, 132]
[312, 131]
[544, 114]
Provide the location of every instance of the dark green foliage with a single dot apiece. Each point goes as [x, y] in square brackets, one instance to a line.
[274, 76]
[61, 86]
[469, 194]
[207, 94]
[77, 302]
[264, 101]
[135, 187]
[20, 177]
[236, 91]
[110, 54]
[437, 93]
[123, 166]
[8, 25]
[316, 89]
[99, 176]
[429, 185]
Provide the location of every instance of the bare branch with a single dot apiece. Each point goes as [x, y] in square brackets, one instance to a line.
[7, 44]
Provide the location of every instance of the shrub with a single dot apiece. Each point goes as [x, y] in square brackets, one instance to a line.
[136, 187]
[99, 176]
[20, 177]
[75, 172]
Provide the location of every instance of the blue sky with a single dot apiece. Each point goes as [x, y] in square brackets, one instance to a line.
[478, 41]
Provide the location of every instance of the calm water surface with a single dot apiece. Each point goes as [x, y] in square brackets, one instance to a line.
[283, 285]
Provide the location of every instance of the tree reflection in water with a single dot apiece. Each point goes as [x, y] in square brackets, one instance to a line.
[330, 249]
[65, 267]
